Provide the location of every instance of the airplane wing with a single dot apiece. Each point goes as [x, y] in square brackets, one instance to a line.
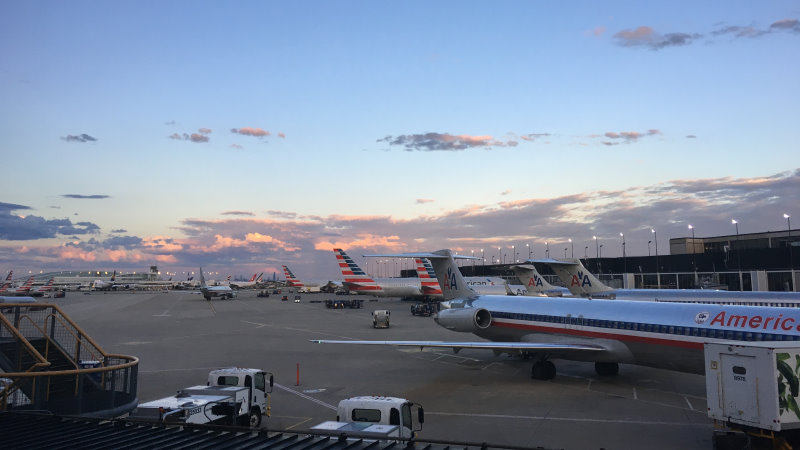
[488, 345]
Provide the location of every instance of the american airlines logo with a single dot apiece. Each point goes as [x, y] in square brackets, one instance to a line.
[450, 280]
[581, 279]
[701, 318]
[755, 322]
[535, 281]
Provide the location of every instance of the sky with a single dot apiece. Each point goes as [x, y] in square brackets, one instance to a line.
[240, 136]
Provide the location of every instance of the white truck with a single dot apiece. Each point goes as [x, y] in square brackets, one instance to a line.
[374, 417]
[753, 389]
[380, 318]
[233, 396]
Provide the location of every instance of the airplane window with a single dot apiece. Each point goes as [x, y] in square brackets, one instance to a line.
[738, 336]
[748, 336]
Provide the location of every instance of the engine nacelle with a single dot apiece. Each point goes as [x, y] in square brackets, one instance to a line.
[464, 319]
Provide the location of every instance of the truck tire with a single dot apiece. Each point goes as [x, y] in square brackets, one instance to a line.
[255, 418]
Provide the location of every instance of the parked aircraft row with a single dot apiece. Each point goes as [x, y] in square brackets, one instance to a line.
[668, 335]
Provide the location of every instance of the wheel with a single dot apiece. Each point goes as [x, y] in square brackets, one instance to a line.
[606, 369]
[255, 418]
[543, 370]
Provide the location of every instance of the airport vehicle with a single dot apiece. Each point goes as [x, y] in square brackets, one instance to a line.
[380, 318]
[23, 290]
[374, 417]
[665, 335]
[233, 396]
[285, 298]
[753, 388]
[581, 282]
[262, 294]
[534, 283]
[341, 304]
[422, 309]
[210, 292]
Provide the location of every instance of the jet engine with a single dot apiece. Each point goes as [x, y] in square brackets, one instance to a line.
[464, 319]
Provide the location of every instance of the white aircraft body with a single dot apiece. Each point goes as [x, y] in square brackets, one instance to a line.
[607, 332]
[581, 282]
[481, 285]
[254, 281]
[210, 292]
[535, 284]
[43, 289]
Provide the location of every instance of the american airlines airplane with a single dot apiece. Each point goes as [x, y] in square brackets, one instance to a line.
[666, 335]
[581, 282]
[535, 284]
[358, 281]
[41, 290]
[222, 292]
[22, 290]
[255, 280]
[481, 285]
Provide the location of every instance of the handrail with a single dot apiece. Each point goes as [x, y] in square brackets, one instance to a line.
[83, 333]
[77, 337]
[43, 362]
[132, 362]
[47, 338]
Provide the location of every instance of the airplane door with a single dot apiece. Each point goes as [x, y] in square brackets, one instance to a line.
[739, 387]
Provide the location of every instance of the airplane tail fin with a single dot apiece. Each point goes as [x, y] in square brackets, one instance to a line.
[291, 279]
[260, 277]
[28, 284]
[202, 279]
[355, 278]
[253, 278]
[450, 279]
[10, 272]
[574, 275]
[427, 277]
[114, 276]
[49, 285]
[533, 281]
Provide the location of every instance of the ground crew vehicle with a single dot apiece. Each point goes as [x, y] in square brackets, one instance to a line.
[422, 309]
[380, 318]
[753, 389]
[232, 396]
[377, 417]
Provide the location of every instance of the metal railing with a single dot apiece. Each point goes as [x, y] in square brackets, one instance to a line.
[68, 373]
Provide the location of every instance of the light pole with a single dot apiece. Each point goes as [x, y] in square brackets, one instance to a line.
[596, 254]
[513, 254]
[529, 250]
[658, 269]
[499, 254]
[648, 247]
[547, 250]
[624, 260]
[738, 256]
[789, 241]
[565, 252]
[483, 262]
[572, 246]
[586, 252]
[694, 260]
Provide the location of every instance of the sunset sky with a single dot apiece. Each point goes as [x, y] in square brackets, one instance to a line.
[244, 135]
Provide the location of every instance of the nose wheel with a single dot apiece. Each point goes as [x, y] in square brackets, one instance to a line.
[543, 370]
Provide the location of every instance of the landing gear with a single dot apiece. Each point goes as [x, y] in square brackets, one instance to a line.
[606, 369]
[543, 370]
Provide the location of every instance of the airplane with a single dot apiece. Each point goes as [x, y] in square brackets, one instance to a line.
[581, 282]
[536, 285]
[22, 290]
[222, 292]
[44, 289]
[481, 285]
[356, 280]
[291, 280]
[255, 280]
[665, 335]
[104, 285]
[309, 286]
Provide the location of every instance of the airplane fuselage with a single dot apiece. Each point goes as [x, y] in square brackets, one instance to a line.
[661, 335]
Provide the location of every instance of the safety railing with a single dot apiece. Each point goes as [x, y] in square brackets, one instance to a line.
[61, 369]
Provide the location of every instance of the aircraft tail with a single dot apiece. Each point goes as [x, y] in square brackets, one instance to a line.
[48, 286]
[450, 279]
[354, 278]
[533, 281]
[8, 278]
[202, 279]
[114, 276]
[27, 286]
[574, 275]
[427, 277]
[291, 279]
[260, 277]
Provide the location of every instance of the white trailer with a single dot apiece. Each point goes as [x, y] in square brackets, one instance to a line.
[374, 417]
[754, 388]
[235, 396]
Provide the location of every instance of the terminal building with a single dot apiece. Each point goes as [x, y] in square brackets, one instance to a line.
[765, 261]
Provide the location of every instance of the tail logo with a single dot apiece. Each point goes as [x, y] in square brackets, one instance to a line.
[535, 281]
[581, 280]
[450, 280]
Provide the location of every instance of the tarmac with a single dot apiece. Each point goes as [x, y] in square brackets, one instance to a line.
[473, 396]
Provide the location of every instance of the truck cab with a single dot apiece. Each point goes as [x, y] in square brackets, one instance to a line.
[378, 417]
[259, 384]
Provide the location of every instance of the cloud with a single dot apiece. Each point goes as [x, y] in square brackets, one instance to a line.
[281, 135]
[119, 230]
[598, 31]
[691, 136]
[85, 197]
[646, 37]
[200, 137]
[422, 201]
[533, 136]
[627, 137]
[20, 228]
[79, 138]
[249, 131]
[237, 213]
[236, 146]
[283, 214]
[429, 142]
[791, 25]
[506, 192]
[169, 123]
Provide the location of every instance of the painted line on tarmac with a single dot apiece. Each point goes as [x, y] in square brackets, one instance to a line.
[569, 419]
[307, 397]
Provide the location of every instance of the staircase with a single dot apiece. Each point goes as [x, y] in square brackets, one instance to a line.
[48, 363]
